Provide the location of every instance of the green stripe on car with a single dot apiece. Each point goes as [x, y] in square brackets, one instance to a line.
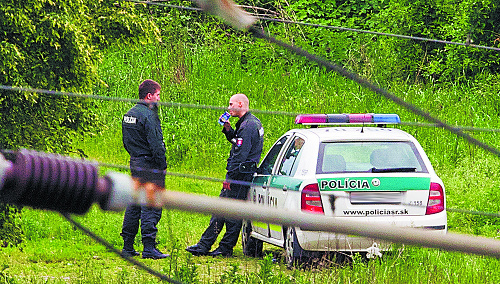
[375, 183]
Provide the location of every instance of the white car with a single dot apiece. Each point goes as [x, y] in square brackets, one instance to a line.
[376, 174]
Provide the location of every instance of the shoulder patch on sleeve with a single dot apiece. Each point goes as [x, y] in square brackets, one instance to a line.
[239, 142]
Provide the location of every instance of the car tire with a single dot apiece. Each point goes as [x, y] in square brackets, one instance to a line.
[293, 251]
[251, 246]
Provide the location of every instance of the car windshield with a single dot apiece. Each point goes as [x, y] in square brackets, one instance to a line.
[375, 156]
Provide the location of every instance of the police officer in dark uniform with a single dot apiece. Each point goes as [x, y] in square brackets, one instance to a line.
[143, 140]
[247, 140]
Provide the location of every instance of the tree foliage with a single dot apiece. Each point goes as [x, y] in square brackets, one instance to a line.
[468, 22]
[473, 22]
[55, 45]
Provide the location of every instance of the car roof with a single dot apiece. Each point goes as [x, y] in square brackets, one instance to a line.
[355, 133]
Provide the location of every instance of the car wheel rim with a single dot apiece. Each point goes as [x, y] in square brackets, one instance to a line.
[244, 236]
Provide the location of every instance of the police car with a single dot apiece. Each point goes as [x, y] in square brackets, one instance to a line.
[365, 171]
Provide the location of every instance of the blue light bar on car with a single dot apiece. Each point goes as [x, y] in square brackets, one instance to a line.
[352, 118]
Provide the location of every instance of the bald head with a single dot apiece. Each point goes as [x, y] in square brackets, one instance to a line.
[238, 105]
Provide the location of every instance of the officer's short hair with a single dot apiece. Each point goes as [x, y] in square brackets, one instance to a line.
[148, 86]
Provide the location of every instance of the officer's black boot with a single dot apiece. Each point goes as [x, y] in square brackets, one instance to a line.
[197, 249]
[150, 250]
[128, 246]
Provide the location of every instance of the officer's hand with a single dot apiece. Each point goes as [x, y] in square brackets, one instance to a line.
[227, 125]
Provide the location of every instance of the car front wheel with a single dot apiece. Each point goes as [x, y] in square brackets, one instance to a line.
[251, 246]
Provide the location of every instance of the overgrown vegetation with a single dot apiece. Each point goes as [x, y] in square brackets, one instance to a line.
[468, 22]
[55, 45]
[108, 49]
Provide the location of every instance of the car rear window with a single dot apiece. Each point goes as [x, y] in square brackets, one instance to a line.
[376, 156]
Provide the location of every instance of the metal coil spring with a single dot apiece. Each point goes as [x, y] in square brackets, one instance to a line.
[53, 182]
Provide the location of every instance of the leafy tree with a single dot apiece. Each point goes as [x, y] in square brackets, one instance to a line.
[55, 45]
[465, 22]
[469, 21]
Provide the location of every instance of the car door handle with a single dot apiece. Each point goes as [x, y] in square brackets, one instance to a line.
[285, 188]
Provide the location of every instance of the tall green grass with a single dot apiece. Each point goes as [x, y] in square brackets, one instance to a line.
[192, 134]
[55, 252]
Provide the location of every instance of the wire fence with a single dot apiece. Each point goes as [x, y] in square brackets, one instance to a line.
[250, 184]
[245, 183]
[182, 201]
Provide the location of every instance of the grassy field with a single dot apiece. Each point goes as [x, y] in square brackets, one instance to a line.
[56, 252]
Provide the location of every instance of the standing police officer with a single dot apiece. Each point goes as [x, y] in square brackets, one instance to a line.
[246, 149]
[143, 140]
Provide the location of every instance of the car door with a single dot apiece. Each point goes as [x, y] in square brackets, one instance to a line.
[282, 181]
[259, 191]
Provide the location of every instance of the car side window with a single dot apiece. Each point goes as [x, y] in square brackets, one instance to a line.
[267, 164]
[290, 160]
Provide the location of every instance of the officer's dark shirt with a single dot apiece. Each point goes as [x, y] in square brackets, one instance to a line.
[142, 134]
[247, 141]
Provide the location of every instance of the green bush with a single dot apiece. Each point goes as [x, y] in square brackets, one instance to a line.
[11, 232]
[474, 22]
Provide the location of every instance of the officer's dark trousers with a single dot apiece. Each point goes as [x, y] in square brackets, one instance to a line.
[233, 227]
[149, 216]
